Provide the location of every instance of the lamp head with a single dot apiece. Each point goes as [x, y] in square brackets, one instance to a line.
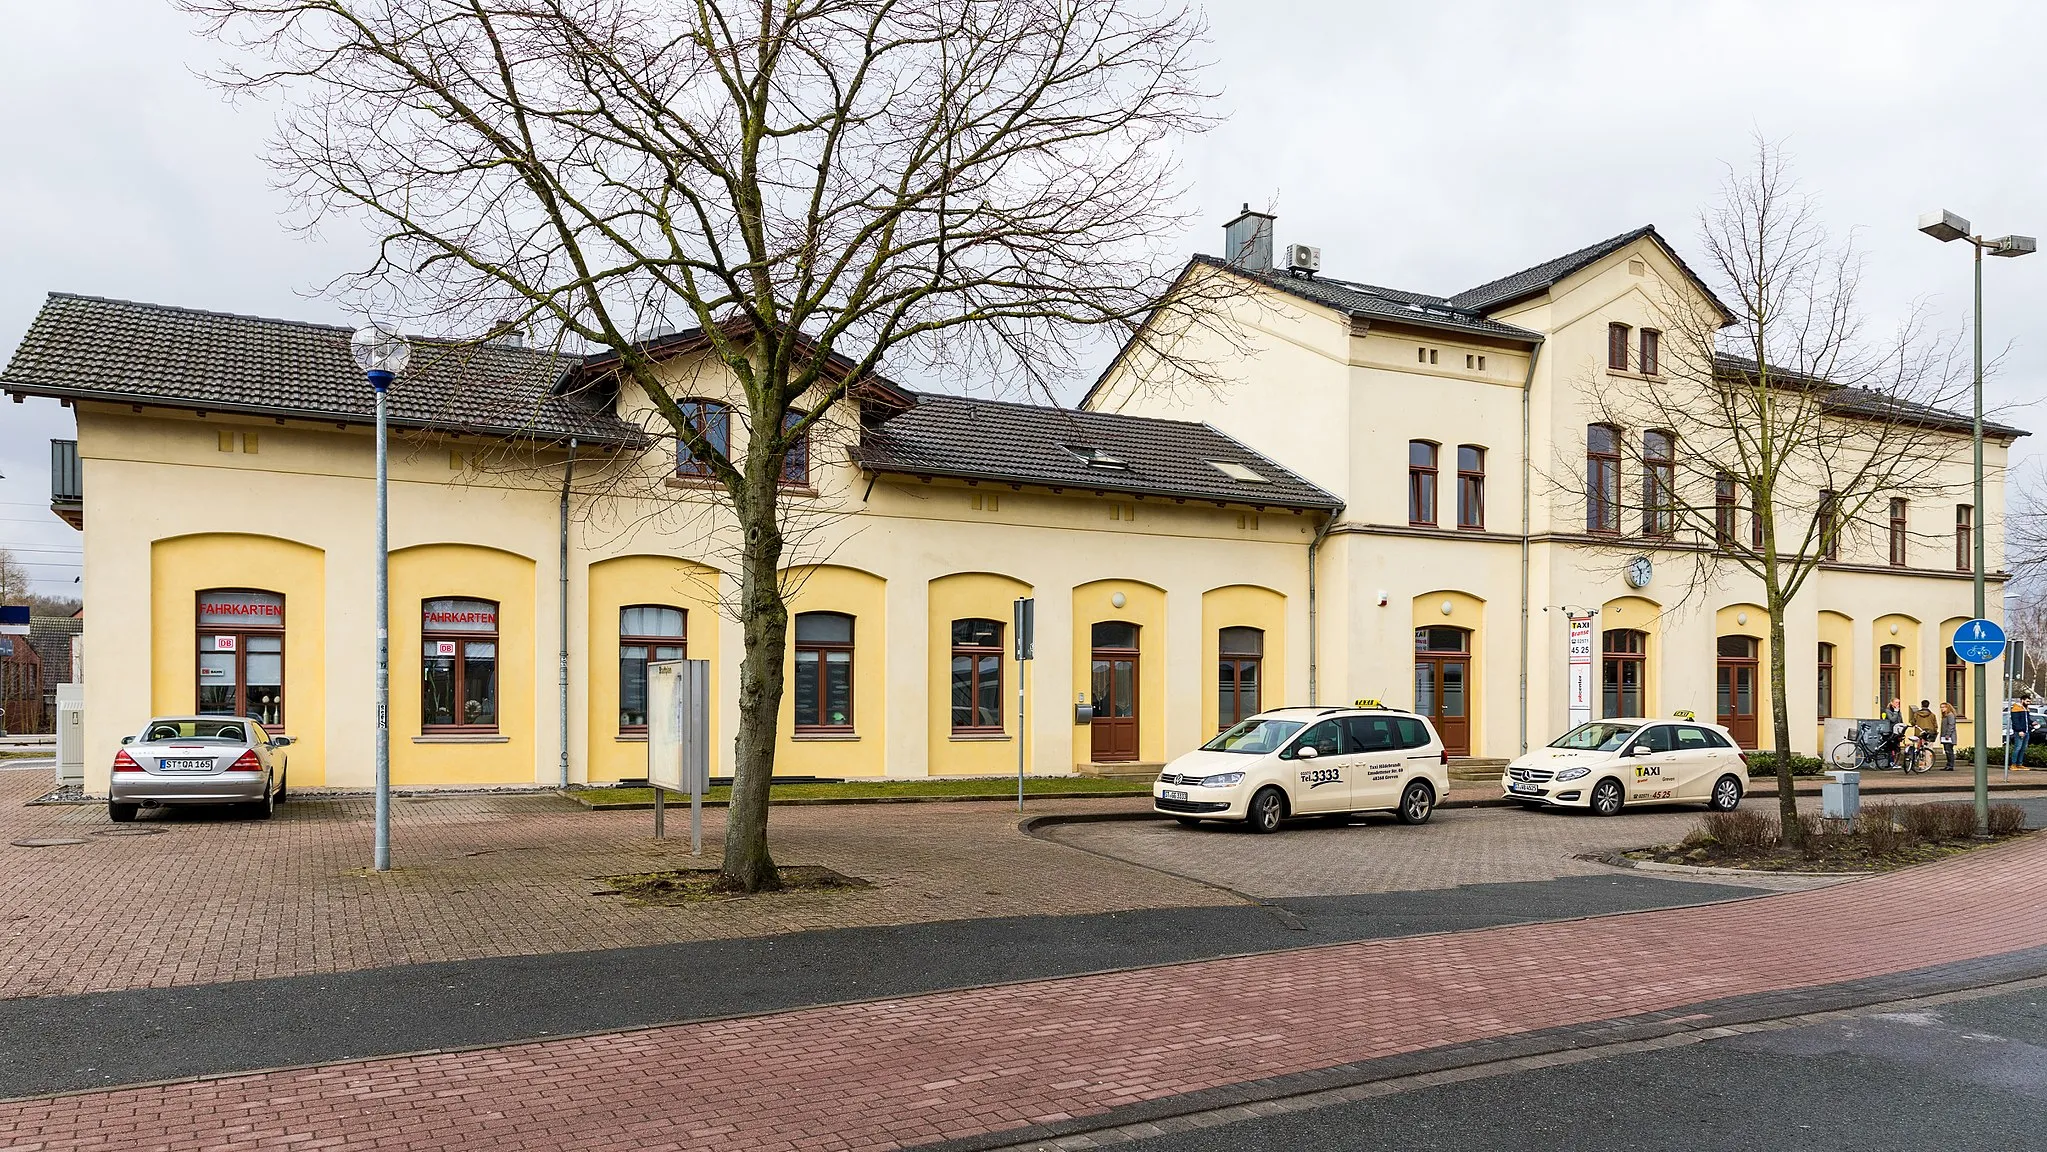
[380, 348]
[2014, 246]
[1943, 226]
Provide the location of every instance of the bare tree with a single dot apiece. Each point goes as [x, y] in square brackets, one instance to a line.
[14, 581]
[813, 184]
[1772, 433]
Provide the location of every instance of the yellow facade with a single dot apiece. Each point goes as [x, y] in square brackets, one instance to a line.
[431, 571]
[969, 596]
[622, 581]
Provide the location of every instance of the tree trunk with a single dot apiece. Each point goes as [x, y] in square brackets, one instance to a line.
[1792, 833]
[764, 623]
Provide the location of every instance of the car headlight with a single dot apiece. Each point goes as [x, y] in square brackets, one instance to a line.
[1222, 780]
[1573, 773]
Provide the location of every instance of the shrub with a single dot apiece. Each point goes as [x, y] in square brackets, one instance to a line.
[1878, 827]
[2005, 820]
[1764, 764]
[1742, 831]
[1938, 821]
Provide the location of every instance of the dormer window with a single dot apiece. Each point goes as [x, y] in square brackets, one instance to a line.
[1097, 458]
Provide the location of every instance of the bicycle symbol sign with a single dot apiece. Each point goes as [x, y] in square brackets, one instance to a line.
[1979, 641]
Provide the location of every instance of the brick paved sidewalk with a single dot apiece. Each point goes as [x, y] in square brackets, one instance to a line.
[911, 1070]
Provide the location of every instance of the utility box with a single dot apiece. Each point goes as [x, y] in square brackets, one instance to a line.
[1842, 799]
[70, 734]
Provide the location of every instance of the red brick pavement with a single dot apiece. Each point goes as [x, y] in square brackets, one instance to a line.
[910, 1070]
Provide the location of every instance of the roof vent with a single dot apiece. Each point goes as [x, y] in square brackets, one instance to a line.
[1304, 259]
[1247, 241]
[1097, 458]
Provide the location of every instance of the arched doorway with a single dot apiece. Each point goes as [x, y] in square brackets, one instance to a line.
[1736, 688]
[1442, 683]
[1113, 733]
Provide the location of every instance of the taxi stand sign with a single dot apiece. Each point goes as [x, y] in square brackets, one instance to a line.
[14, 620]
[1979, 641]
[679, 740]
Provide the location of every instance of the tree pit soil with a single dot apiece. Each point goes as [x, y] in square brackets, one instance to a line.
[696, 885]
[1844, 854]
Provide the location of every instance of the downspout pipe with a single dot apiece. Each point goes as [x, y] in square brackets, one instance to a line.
[568, 478]
[1314, 616]
[1527, 468]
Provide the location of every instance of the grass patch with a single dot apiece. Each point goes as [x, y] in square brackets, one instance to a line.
[694, 885]
[27, 754]
[1881, 837]
[994, 788]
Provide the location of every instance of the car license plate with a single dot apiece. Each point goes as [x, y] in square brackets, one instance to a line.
[202, 764]
[1172, 794]
[1527, 789]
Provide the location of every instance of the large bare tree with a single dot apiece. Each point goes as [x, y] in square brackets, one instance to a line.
[977, 186]
[1774, 435]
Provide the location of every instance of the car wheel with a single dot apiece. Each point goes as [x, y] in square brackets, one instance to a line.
[121, 813]
[1607, 797]
[283, 775]
[262, 809]
[1726, 794]
[1187, 821]
[1417, 802]
[1266, 810]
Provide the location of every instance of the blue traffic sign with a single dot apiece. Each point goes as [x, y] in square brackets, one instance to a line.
[1979, 641]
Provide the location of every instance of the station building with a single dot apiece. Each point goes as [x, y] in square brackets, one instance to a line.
[1356, 511]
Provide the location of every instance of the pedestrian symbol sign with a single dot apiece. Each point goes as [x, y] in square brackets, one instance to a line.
[1979, 641]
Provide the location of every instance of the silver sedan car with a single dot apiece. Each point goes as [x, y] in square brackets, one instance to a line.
[198, 760]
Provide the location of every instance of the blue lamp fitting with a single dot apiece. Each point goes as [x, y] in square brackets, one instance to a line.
[379, 379]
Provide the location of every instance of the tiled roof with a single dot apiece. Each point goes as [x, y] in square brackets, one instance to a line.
[1529, 281]
[1370, 302]
[1869, 403]
[89, 348]
[973, 439]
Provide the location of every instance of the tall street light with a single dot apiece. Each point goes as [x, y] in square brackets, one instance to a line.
[1945, 226]
[382, 353]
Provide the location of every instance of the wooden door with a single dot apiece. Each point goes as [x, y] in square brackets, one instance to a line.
[1113, 734]
[1442, 684]
[1735, 690]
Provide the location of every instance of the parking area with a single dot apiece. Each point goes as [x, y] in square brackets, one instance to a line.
[1458, 846]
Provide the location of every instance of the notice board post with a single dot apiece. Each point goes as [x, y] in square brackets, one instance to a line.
[679, 740]
[1025, 614]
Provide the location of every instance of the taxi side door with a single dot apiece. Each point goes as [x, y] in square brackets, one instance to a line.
[1703, 757]
[1379, 762]
[1653, 763]
[1322, 782]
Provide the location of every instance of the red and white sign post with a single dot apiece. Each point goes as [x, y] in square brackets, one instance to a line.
[1580, 669]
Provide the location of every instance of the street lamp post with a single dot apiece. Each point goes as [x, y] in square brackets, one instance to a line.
[1945, 226]
[382, 353]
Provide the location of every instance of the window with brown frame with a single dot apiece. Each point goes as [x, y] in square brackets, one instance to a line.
[1724, 510]
[646, 633]
[796, 460]
[1421, 483]
[1649, 348]
[1965, 530]
[1617, 347]
[824, 672]
[1897, 532]
[1624, 656]
[1602, 479]
[1890, 674]
[1824, 677]
[1954, 685]
[1659, 483]
[1470, 486]
[1239, 675]
[1755, 520]
[241, 655]
[459, 666]
[713, 421]
[1829, 516]
[977, 676]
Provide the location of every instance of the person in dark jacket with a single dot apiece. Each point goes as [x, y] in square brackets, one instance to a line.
[2021, 729]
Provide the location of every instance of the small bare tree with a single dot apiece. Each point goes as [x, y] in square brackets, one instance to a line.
[1769, 435]
[14, 582]
[973, 185]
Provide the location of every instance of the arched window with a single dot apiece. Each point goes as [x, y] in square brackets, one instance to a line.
[646, 633]
[1239, 675]
[1470, 486]
[1624, 655]
[1421, 483]
[1603, 478]
[824, 672]
[977, 676]
[241, 655]
[713, 421]
[459, 665]
[1659, 483]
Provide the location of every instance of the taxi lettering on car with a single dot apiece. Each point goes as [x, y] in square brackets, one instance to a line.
[1606, 765]
[1310, 761]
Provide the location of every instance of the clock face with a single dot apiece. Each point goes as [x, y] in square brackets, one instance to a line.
[1639, 572]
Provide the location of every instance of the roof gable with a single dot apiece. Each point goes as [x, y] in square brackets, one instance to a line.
[1533, 281]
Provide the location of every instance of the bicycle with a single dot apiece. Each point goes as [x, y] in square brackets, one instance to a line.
[1915, 752]
[1866, 749]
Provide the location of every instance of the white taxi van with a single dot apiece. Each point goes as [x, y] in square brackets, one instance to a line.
[1606, 765]
[1311, 761]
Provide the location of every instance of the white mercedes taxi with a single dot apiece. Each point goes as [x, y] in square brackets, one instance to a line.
[1606, 765]
[1310, 761]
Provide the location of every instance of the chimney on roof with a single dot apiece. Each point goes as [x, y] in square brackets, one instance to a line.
[1247, 241]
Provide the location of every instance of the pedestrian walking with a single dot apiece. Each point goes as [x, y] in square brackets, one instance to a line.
[1947, 733]
[2021, 730]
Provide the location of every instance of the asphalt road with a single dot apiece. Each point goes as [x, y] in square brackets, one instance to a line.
[1958, 1077]
[65, 1043]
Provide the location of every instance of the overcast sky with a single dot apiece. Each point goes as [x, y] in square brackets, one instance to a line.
[1423, 146]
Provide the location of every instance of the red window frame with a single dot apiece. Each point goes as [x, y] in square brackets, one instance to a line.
[1603, 480]
[1659, 483]
[1470, 487]
[1617, 347]
[257, 626]
[1421, 484]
